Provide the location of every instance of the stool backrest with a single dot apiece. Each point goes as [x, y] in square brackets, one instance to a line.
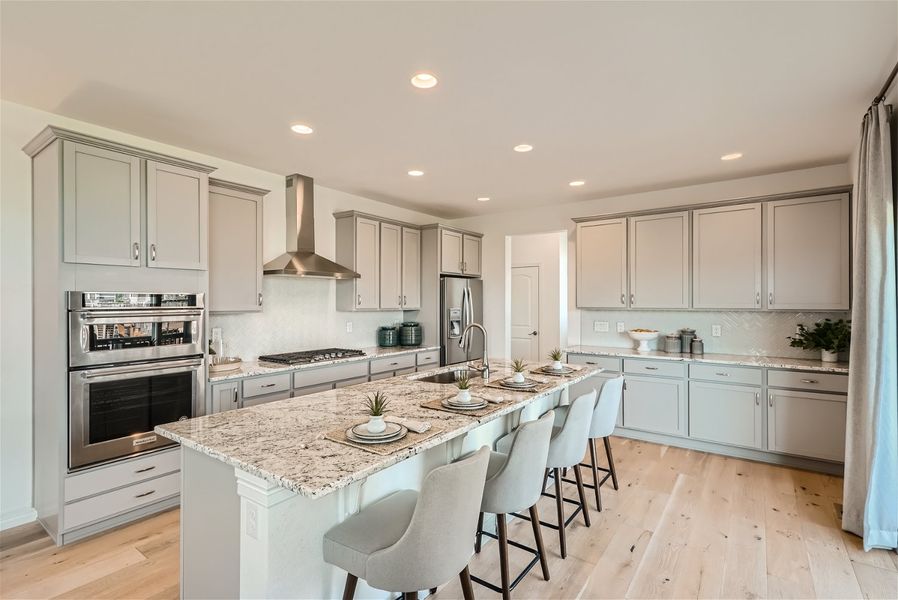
[568, 446]
[437, 544]
[519, 482]
[604, 417]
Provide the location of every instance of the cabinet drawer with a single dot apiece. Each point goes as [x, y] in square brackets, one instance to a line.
[256, 400]
[266, 385]
[307, 377]
[84, 512]
[604, 362]
[818, 382]
[127, 472]
[664, 368]
[428, 358]
[379, 376]
[725, 373]
[392, 363]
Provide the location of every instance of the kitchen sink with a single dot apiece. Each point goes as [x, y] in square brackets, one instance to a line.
[450, 376]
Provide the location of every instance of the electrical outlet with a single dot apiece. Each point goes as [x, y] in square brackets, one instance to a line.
[252, 521]
[348, 326]
[620, 327]
[715, 330]
[600, 326]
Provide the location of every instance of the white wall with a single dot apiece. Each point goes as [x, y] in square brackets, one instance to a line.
[554, 217]
[548, 251]
[18, 125]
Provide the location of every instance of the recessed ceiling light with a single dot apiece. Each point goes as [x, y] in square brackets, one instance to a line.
[483, 199]
[415, 173]
[523, 148]
[301, 129]
[424, 80]
[576, 183]
[733, 156]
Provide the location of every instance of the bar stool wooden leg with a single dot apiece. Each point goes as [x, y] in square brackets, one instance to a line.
[410, 596]
[433, 591]
[545, 479]
[349, 588]
[559, 507]
[502, 526]
[467, 589]
[610, 461]
[478, 540]
[595, 473]
[582, 493]
[538, 535]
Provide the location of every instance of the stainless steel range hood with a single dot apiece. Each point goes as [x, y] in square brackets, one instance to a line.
[300, 259]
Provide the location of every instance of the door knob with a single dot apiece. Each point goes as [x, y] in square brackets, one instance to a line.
[533, 333]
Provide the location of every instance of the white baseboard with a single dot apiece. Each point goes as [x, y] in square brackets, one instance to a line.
[18, 516]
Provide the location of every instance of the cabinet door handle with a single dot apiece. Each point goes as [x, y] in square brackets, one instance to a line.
[359, 301]
[145, 469]
[770, 400]
[404, 301]
[260, 298]
[651, 368]
[722, 374]
[769, 298]
[143, 495]
[623, 299]
[153, 252]
[136, 250]
[461, 267]
[235, 395]
[757, 398]
[758, 298]
[809, 381]
[632, 299]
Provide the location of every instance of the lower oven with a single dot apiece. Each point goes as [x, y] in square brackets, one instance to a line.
[114, 409]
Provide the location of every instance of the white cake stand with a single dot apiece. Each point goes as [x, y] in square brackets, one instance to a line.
[643, 337]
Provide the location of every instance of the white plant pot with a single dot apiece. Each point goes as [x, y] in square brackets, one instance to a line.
[518, 378]
[827, 356]
[463, 396]
[556, 365]
[376, 424]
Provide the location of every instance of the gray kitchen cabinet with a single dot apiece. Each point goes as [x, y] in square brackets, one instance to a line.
[727, 262]
[602, 264]
[808, 253]
[177, 217]
[658, 259]
[655, 404]
[806, 424]
[358, 247]
[411, 268]
[726, 414]
[471, 255]
[225, 395]
[101, 206]
[390, 266]
[451, 252]
[235, 247]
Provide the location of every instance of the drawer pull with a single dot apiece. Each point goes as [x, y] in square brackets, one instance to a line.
[393, 364]
[757, 399]
[589, 362]
[268, 385]
[722, 373]
[770, 400]
[145, 469]
[809, 381]
[145, 494]
[651, 368]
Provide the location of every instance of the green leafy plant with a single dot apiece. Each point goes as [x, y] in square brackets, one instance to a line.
[377, 404]
[517, 365]
[829, 335]
[463, 382]
[556, 354]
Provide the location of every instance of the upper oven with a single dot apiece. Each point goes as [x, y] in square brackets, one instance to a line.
[110, 327]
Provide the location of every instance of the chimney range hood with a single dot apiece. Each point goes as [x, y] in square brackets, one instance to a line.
[300, 259]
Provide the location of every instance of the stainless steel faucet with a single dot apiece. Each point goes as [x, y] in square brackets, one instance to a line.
[465, 343]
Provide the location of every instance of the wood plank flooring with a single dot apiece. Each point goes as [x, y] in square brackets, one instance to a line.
[684, 524]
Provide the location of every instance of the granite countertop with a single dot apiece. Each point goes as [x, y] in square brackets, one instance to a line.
[772, 362]
[283, 442]
[254, 367]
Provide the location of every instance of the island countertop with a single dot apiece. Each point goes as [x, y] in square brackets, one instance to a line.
[283, 442]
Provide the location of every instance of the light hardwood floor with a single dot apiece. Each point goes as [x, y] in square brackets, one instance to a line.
[684, 524]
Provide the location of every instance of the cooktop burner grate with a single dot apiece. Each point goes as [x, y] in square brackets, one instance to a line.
[310, 356]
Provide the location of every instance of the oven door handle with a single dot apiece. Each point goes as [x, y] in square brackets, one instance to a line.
[161, 368]
[101, 317]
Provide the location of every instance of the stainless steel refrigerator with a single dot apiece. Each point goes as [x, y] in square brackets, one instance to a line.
[461, 303]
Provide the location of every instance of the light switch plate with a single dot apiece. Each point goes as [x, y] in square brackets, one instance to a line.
[600, 326]
[348, 326]
[620, 327]
[715, 330]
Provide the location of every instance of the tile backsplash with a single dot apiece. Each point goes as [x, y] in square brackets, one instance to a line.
[742, 332]
[299, 314]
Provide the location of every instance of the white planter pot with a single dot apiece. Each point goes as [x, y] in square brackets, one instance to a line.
[463, 396]
[376, 424]
[827, 356]
[556, 365]
[518, 378]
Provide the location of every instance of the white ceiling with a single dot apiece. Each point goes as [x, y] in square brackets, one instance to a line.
[627, 96]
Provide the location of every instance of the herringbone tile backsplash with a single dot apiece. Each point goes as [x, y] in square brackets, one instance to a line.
[752, 333]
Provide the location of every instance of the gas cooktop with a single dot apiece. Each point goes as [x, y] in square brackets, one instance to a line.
[310, 356]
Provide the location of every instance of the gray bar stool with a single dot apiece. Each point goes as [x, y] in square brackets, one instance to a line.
[513, 483]
[407, 541]
[604, 418]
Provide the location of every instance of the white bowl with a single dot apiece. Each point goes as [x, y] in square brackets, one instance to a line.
[643, 337]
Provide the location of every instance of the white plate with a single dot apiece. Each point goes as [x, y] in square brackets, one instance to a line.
[527, 385]
[352, 438]
[361, 431]
[561, 371]
[466, 406]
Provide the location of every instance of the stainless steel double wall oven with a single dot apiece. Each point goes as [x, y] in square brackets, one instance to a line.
[135, 361]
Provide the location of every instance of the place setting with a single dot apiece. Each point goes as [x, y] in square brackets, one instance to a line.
[463, 401]
[518, 381]
[556, 368]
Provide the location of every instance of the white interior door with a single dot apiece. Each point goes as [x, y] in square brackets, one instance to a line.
[525, 313]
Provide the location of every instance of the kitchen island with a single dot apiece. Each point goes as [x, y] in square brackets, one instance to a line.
[260, 486]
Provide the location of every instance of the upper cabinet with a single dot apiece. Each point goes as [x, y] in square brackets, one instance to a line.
[602, 264]
[390, 266]
[659, 261]
[808, 253]
[470, 259]
[411, 268]
[460, 252]
[177, 216]
[235, 247]
[727, 265]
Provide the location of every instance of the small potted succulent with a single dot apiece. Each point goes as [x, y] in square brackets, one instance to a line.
[555, 356]
[517, 365]
[828, 336]
[463, 383]
[376, 406]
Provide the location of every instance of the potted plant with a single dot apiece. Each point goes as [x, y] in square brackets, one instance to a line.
[828, 336]
[555, 356]
[376, 406]
[463, 383]
[517, 365]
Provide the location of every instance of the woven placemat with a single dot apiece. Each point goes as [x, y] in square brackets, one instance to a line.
[412, 438]
[574, 370]
[480, 412]
[541, 387]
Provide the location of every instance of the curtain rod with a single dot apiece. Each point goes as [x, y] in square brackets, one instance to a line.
[885, 88]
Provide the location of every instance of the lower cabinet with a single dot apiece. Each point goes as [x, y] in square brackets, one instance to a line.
[806, 424]
[655, 404]
[726, 414]
[225, 396]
